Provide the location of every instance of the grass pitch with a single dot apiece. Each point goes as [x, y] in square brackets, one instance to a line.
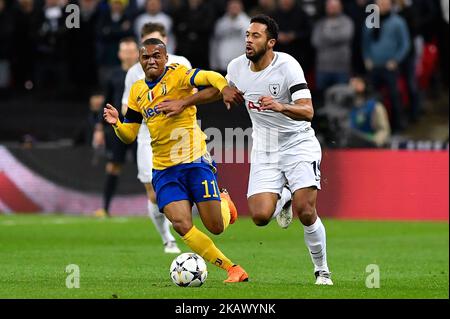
[123, 258]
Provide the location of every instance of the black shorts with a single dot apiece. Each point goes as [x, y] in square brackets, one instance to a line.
[116, 150]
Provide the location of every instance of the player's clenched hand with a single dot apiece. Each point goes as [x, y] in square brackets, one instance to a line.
[171, 107]
[110, 114]
[232, 95]
[268, 103]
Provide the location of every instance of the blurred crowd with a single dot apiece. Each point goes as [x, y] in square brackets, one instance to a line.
[341, 45]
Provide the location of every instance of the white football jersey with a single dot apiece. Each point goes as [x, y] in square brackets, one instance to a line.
[284, 80]
[136, 73]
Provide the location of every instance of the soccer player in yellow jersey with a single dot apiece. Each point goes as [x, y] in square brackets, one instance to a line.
[183, 172]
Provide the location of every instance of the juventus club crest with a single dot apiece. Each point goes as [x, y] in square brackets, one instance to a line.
[274, 89]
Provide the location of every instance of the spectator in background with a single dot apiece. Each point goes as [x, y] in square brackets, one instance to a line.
[267, 7]
[96, 104]
[312, 8]
[332, 37]
[49, 33]
[135, 7]
[356, 10]
[166, 5]
[153, 13]
[81, 54]
[6, 35]
[226, 43]
[85, 134]
[193, 25]
[384, 48]
[369, 121]
[295, 32]
[116, 150]
[427, 19]
[408, 66]
[25, 15]
[113, 26]
[428, 28]
[174, 5]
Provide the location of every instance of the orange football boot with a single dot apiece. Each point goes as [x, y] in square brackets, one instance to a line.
[236, 274]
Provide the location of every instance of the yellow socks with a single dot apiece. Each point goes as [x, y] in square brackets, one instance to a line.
[201, 244]
[225, 209]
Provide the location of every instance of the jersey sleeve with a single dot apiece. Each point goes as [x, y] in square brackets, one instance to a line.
[132, 99]
[126, 132]
[197, 78]
[188, 77]
[298, 88]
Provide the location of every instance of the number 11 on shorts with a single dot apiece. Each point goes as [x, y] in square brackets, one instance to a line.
[214, 186]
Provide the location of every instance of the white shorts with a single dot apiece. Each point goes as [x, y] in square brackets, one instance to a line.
[298, 167]
[144, 155]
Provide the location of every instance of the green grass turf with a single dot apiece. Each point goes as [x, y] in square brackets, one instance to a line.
[123, 258]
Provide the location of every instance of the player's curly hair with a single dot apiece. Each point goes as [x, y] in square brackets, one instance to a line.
[271, 24]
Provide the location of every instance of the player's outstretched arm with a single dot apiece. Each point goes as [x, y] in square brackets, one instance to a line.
[301, 110]
[126, 131]
[230, 94]
[175, 107]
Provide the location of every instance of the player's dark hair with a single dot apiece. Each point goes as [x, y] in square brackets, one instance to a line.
[154, 41]
[153, 27]
[271, 24]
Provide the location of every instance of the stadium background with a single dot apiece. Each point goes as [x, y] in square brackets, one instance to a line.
[47, 163]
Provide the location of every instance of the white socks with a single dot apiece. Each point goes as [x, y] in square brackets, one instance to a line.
[160, 221]
[315, 239]
[285, 197]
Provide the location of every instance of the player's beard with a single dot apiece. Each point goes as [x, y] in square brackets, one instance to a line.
[257, 55]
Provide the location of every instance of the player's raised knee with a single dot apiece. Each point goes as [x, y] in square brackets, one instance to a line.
[259, 217]
[306, 211]
[215, 228]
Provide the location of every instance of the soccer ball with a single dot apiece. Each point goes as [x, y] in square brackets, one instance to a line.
[188, 270]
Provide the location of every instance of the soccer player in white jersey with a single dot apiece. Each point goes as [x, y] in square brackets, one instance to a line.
[285, 149]
[144, 149]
